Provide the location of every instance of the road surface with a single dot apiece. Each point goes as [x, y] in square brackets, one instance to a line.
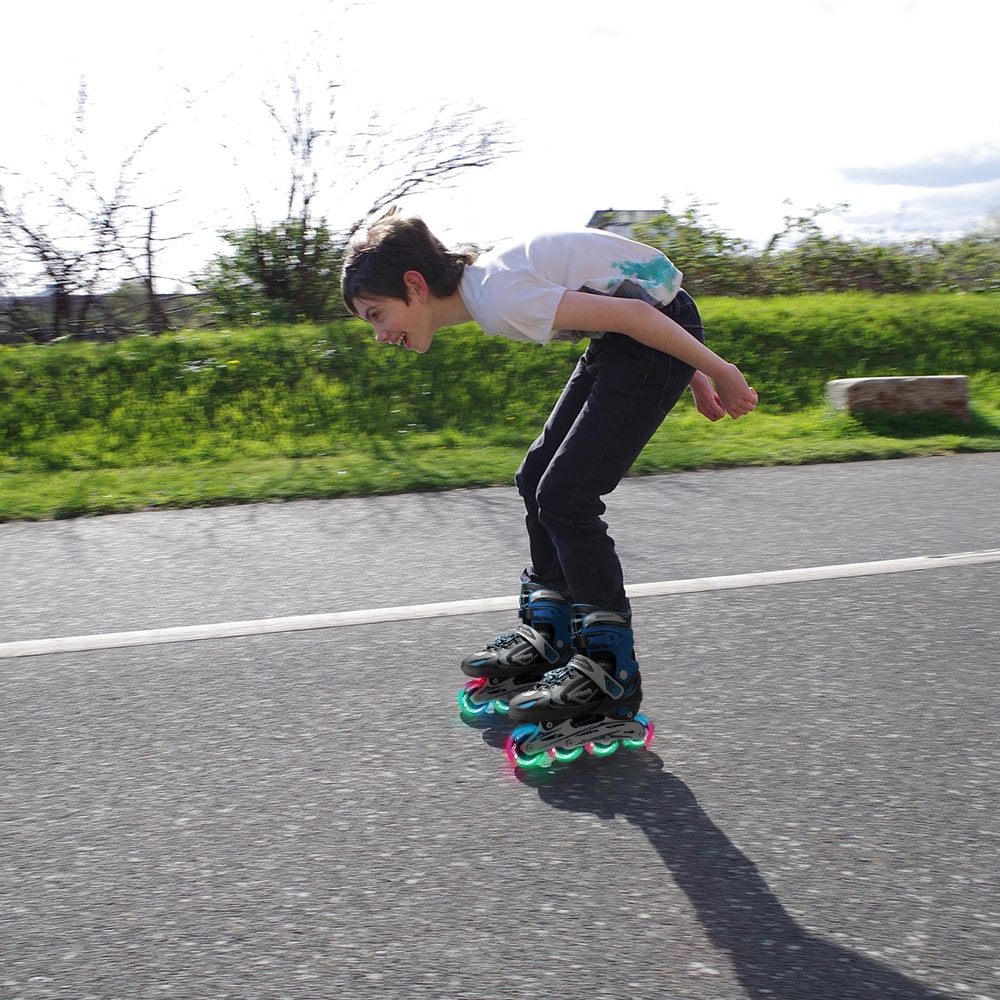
[302, 814]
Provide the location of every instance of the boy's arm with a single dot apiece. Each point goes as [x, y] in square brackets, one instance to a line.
[646, 324]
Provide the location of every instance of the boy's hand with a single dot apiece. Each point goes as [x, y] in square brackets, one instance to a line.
[735, 396]
[706, 401]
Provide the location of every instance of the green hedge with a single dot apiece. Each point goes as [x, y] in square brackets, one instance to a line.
[306, 390]
[790, 347]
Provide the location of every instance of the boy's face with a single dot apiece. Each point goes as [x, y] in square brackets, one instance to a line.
[405, 324]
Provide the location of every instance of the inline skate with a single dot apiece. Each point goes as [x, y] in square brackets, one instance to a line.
[517, 661]
[589, 704]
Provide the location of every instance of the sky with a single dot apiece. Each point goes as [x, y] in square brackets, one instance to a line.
[755, 111]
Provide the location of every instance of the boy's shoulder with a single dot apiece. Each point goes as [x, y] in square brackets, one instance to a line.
[561, 239]
[558, 251]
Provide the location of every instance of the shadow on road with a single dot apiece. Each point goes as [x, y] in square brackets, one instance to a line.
[771, 955]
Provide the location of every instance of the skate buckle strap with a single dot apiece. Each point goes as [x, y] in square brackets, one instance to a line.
[539, 642]
[600, 676]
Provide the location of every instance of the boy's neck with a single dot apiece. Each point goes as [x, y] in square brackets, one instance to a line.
[450, 311]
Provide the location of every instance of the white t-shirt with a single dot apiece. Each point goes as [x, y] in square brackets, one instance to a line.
[514, 290]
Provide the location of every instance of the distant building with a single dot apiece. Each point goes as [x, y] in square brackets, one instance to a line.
[622, 222]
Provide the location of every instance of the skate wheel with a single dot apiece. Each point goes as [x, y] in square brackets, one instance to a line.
[642, 744]
[602, 749]
[466, 705]
[569, 753]
[512, 748]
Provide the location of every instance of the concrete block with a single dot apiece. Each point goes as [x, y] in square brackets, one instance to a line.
[902, 394]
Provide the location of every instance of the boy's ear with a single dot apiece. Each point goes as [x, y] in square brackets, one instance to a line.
[416, 286]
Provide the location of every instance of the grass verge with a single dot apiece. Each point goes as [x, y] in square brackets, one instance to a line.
[280, 413]
[453, 460]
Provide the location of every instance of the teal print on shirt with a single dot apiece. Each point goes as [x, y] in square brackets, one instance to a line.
[651, 273]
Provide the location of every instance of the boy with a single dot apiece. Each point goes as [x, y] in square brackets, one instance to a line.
[569, 667]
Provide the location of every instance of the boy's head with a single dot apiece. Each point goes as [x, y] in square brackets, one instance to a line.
[381, 255]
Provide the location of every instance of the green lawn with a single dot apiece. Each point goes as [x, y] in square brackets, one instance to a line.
[451, 460]
[195, 418]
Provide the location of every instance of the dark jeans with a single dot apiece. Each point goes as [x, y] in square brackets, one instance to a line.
[615, 400]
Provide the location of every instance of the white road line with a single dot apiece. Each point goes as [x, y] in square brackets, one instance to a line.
[446, 609]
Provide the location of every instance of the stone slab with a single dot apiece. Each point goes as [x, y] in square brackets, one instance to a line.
[902, 394]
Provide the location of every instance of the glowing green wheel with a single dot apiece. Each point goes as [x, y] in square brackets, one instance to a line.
[512, 748]
[467, 706]
[565, 754]
[642, 744]
[602, 749]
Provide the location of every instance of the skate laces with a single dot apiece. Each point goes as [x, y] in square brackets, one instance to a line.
[503, 641]
[557, 676]
[563, 675]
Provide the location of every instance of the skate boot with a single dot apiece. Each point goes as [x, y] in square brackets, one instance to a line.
[589, 704]
[516, 661]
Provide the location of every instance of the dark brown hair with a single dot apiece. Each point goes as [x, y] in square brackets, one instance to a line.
[380, 255]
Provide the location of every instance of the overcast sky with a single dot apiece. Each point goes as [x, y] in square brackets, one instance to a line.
[889, 105]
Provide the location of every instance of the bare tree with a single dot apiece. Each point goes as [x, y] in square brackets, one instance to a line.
[380, 163]
[395, 166]
[287, 269]
[303, 138]
[82, 237]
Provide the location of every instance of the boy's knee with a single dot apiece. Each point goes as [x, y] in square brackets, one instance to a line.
[520, 483]
[527, 478]
[557, 500]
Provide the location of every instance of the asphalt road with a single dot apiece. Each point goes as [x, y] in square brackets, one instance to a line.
[304, 814]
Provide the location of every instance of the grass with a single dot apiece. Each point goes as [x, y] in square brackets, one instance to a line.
[452, 460]
[282, 413]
